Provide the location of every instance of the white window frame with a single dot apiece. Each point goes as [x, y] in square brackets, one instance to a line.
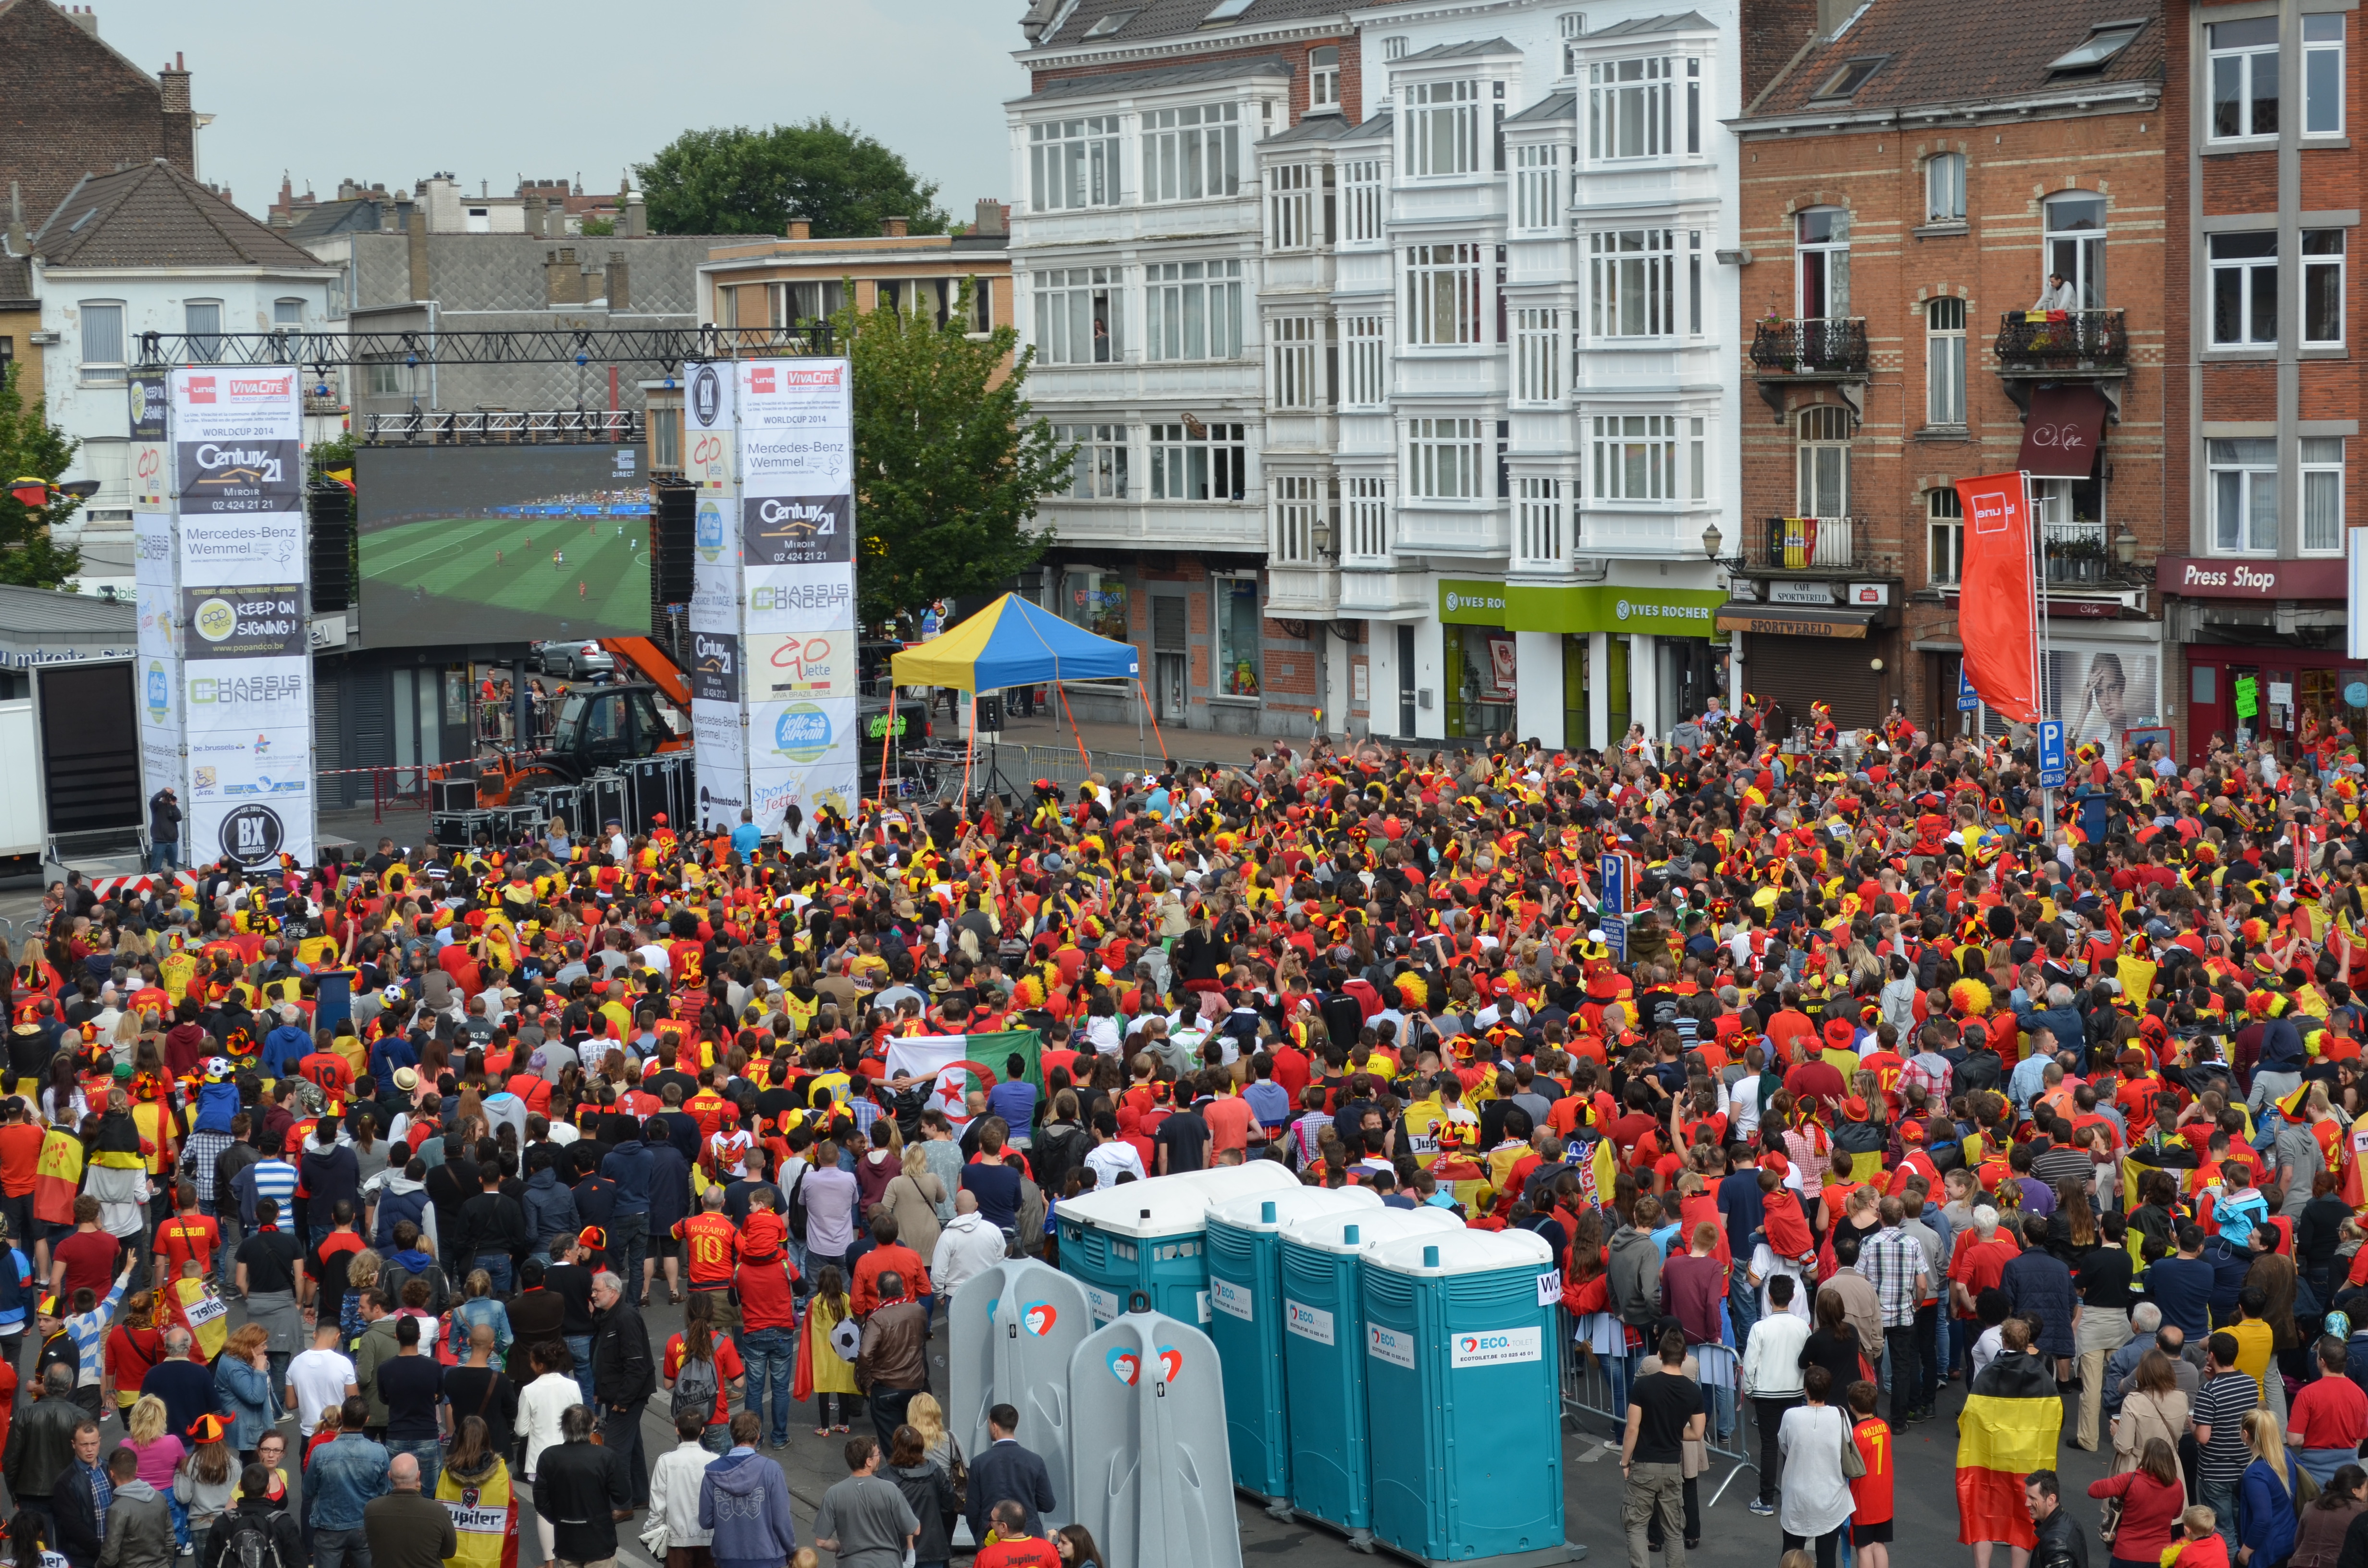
[205, 343]
[1394, 47]
[1361, 198]
[2239, 65]
[104, 371]
[1632, 460]
[1220, 454]
[1537, 355]
[1098, 472]
[1945, 341]
[1629, 108]
[2325, 269]
[386, 378]
[1324, 79]
[1698, 469]
[1444, 459]
[1290, 207]
[2322, 480]
[1820, 430]
[1366, 338]
[1295, 355]
[1538, 517]
[1537, 188]
[1369, 516]
[1944, 189]
[1834, 262]
[1065, 312]
[2255, 279]
[1442, 129]
[1298, 498]
[2323, 84]
[1443, 296]
[2242, 476]
[1073, 164]
[1191, 152]
[1632, 283]
[1944, 536]
[288, 311]
[1192, 311]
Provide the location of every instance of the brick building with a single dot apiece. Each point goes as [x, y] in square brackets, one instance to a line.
[1908, 185]
[71, 106]
[2263, 393]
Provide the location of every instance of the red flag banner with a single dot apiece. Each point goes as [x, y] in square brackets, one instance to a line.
[1997, 605]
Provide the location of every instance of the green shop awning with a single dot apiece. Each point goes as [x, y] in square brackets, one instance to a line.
[1579, 607]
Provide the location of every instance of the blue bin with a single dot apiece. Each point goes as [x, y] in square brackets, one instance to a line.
[1324, 1356]
[1149, 1236]
[1463, 1362]
[1246, 1321]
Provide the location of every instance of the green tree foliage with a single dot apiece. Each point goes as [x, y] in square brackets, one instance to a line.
[754, 182]
[948, 461]
[30, 445]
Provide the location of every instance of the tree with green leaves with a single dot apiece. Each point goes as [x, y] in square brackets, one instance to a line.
[739, 181]
[950, 461]
[30, 446]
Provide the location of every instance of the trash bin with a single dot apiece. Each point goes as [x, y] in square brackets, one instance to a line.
[1010, 1332]
[1324, 1356]
[1462, 1361]
[1246, 1321]
[1147, 1462]
[1149, 1235]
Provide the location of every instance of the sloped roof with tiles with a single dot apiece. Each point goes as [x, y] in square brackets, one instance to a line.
[154, 215]
[1922, 55]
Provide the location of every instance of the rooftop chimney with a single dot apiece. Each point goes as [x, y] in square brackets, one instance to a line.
[554, 218]
[800, 229]
[16, 245]
[175, 79]
[621, 284]
[637, 215]
[894, 228]
[415, 234]
[84, 18]
[994, 218]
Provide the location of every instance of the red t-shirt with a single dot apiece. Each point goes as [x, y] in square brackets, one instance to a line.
[21, 1152]
[2330, 1412]
[1035, 1552]
[91, 1258]
[765, 1297]
[727, 1366]
[186, 1236]
[1871, 1493]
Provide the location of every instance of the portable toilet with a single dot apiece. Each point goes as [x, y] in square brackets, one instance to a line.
[1150, 1236]
[1010, 1331]
[1246, 1321]
[1324, 1356]
[1462, 1361]
[1147, 1456]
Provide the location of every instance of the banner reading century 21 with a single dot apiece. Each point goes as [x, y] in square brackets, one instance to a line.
[770, 444]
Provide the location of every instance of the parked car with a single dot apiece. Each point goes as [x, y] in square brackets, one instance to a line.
[574, 659]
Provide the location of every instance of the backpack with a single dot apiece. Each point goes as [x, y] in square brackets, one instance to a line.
[794, 1201]
[251, 1545]
[694, 1388]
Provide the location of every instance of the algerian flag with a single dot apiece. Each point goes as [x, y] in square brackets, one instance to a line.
[938, 1056]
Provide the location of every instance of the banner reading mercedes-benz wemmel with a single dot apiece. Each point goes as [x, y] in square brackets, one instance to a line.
[222, 576]
[779, 659]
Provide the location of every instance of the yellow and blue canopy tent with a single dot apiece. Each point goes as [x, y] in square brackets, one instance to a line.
[1012, 643]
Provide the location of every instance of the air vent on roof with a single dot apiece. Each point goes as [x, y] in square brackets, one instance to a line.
[1107, 25]
[2106, 40]
[1226, 10]
[1851, 75]
[87, 214]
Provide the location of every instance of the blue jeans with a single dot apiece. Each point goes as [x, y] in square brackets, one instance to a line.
[163, 856]
[496, 1265]
[430, 1455]
[2220, 1496]
[771, 1356]
[580, 1347]
[341, 1548]
[1742, 1306]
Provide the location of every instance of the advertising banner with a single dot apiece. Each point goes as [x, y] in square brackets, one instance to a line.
[1998, 613]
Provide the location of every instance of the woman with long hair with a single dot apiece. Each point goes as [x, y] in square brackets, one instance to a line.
[2318, 1539]
[479, 1305]
[927, 1416]
[243, 1381]
[929, 1491]
[914, 1195]
[206, 1483]
[829, 1376]
[1075, 1545]
[2143, 1505]
[2266, 1517]
[700, 1356]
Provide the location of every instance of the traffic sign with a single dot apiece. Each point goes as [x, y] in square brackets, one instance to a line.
[2053, 767]
[1967, 698]
[1615, 936]
[1613, 868]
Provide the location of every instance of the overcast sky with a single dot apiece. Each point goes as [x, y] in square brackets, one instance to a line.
[494, 90]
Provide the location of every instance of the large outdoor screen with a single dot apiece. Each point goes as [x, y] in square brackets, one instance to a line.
[474, 544]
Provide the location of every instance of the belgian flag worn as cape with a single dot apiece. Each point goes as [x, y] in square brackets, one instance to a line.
[2010, 1427]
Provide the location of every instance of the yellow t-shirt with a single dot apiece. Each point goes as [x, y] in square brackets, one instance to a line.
[2255, 1342]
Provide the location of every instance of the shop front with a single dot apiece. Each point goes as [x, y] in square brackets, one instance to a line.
[1574, 664]
[2262, 646]
[1839, 649]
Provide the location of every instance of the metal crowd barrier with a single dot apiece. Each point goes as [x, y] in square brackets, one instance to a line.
[1595, 1401]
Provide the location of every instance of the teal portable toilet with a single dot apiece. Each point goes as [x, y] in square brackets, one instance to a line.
[1147, 1468]
[1246, 1322]
[1324, 1356]
[1462, 1362]
[1150, 1236]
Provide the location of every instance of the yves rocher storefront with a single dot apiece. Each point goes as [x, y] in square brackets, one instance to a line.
[2262, 645]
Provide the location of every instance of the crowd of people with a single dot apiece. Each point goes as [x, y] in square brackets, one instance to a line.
[1869, 1085]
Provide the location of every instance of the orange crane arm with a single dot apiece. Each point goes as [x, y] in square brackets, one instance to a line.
[649, 661]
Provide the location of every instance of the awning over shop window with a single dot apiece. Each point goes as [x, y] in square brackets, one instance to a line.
[2059, 439]
[1795, 620]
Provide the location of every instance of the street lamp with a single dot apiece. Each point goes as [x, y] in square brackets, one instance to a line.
[1710, 539]
[2125, 546]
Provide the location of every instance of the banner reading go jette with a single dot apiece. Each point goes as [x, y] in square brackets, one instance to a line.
[781, 661]
[241, 689]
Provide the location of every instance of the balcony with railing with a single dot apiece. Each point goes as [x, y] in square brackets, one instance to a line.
[2062, 343]
[1816, 348]
[2075, 554]
[1808, 544]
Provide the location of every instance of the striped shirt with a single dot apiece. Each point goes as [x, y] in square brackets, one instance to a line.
[88, 1333]
[2222, 1405]
[275, 1179]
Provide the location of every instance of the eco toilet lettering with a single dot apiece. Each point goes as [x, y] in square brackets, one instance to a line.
[1306, 1322]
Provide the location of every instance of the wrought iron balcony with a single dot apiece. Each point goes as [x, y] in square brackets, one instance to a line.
[1805, 544]
[2059, 343]
[1827, 348]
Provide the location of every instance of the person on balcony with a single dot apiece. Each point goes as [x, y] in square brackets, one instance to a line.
[2059, 295]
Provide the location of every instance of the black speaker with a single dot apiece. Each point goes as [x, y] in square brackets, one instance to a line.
[453, 795]
[674, 539]
[604, 801]
[990, 711]
[330, 508]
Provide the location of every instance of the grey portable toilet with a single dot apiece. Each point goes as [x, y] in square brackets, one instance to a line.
[1246, 1322]
[1010, 1334]
[1148, 1471]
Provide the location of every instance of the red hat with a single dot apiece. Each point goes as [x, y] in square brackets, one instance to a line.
[1838, 1033]
[1911, 1133]
[593, 1237]
[1855, 1108]
[1774, 1160]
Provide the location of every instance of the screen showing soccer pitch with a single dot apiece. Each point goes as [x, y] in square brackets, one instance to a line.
[473, 544]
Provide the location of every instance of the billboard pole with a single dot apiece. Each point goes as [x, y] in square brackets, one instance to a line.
[2050, 726]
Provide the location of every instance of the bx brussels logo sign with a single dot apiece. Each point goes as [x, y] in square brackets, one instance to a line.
[706, 397]
[252, 835]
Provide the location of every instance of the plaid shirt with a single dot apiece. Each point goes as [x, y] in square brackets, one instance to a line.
[1891, 1259]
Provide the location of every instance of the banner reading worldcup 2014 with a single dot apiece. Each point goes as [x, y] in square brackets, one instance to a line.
[231, 536]
[774, 693]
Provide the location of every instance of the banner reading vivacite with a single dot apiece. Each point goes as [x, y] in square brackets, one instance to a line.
[783, 531]
[240, 603]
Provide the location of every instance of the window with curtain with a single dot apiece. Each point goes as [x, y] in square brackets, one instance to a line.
[1290, 206]
[1193, 461]
[2244, 64]
[1634, 458]
[203, 323]
[1537, 355]
[1360, 194]
[1192, 310]
[1073, 163]
[1368, 378]
[1099, 470]
[2243, 476]
[1944, 361]
[1369, 518]
[1944, 526]
[2322, 288]
[1079, 315]
[1442, 294]
[1295, 352]
[1537, 186]
[1539, 518]
[1821, 257]
[1630, 283]
[1825, 461]
[1443, 458]
[1192, 153]
[1628, 108]
[102, 341]
[1442, 128]
[1944, 187]
[2076, 246]
[2322, 493]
